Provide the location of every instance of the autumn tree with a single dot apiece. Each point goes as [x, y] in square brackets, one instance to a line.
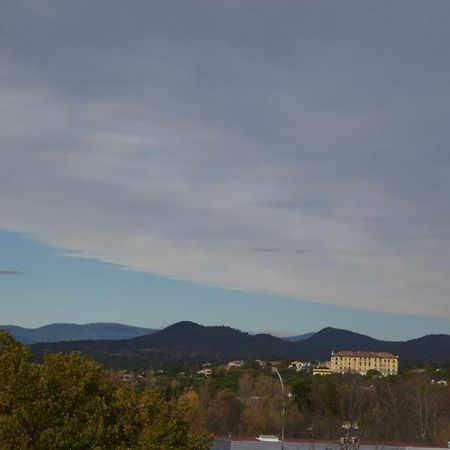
[69, 403]
[18, 378]
[148, 422]
[262, 399]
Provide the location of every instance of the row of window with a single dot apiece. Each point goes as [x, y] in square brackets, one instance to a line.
[361, 365]
[343, 370]
[345, 358]
[366, 359]
[389, 363]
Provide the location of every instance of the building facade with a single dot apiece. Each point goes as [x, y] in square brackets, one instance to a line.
[362, 362]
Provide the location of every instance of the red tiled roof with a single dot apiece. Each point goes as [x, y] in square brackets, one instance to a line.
[365, 354]
[330, 441]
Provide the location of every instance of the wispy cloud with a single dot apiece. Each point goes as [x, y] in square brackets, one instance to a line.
[195, 137]
[10, 272]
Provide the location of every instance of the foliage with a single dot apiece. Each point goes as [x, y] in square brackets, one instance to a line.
[69, 403]
[408, 407]
[148, 423]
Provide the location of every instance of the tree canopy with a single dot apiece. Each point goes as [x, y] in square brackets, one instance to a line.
[68, 402]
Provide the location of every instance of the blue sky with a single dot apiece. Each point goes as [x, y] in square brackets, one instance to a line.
[52, 287]
[253, 149]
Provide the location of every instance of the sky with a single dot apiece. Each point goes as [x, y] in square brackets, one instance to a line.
[277, 166]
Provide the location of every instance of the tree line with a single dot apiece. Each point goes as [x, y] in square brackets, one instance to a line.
[412, 406]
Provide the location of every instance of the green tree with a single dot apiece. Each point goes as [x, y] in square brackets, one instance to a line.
[74, 407]
[302, 390]
[18, 378]
[69, 403]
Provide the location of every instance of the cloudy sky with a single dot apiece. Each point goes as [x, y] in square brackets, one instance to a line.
[290, 151]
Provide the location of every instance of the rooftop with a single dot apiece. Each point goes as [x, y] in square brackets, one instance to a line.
[332, 443]
[364, 354]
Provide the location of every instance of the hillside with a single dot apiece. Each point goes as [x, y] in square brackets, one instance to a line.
[434, 347]
[329, 339]
[183, 340]
[57, 332]
[193, 342]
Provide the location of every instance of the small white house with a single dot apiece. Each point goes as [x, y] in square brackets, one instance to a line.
[233, 364]
[299, 365]
[205, 372]
[440, 382]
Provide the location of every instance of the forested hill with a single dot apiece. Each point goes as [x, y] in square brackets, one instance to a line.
[183, 340]
[190, 341]
[433, 347]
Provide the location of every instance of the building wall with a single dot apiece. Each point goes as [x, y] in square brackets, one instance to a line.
[344, 362]
[321, 371]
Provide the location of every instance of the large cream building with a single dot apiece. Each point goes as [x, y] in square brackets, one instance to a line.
[362, 362]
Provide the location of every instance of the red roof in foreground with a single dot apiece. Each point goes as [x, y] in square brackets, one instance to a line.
[330, 441]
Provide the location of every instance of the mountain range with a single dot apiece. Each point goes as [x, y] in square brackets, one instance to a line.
[58, 332]
[193, 342]
[72, 332]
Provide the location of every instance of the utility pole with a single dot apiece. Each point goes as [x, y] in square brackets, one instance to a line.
[284, 408]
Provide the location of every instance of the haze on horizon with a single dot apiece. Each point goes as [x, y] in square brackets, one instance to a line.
[292, 149]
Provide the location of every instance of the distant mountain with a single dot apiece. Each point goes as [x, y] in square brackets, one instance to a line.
[329, 339]
[72, 332]
[19, 333]
[215, 342]
[183, 340]
[434, 347]
[300, 337]
[193, 342]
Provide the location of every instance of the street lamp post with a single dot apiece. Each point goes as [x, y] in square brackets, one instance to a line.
[284, 407]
